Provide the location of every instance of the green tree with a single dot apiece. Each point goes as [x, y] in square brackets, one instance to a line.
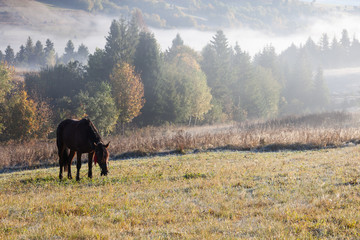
[69, 52]
[216, 65]
[53, 83]
[98, 66]
[149, 64]
[320, 92]
[5, 88]
[262, 94]
[21, 56]
[242, 72]
[50, 56]
[268, 59]
[299, 84]
[122, 41]
[9, 55]
[99, 105]
[29, 51]
[82, 53]
[39, 55]
[120, 46]
[185, 94]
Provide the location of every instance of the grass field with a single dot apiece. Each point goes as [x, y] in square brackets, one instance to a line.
[210, 195]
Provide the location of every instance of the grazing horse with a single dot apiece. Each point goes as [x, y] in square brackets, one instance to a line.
[80, 136]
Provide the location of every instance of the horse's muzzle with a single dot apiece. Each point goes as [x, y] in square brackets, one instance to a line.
[104, 173]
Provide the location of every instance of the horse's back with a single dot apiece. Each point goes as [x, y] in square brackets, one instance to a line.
[75, 134]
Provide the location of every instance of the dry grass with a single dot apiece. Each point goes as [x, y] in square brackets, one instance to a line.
[211, 195]
[296, 133]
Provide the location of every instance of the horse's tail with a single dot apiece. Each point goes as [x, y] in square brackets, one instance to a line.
[62, 149]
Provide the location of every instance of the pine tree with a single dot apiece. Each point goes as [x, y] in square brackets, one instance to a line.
[269, 59]
[216, 66]
[9, 55]
[354, 52]
[29, 51]
[21, 58]
[148, 63]
[50, 57]
[82, 53]
[39, 54]
[320, 92]
[122, 41]
[69, 52]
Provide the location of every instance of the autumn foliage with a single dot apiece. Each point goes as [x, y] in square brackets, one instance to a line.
[128, 91]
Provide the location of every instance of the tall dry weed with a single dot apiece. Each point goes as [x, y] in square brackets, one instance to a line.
[293, 132]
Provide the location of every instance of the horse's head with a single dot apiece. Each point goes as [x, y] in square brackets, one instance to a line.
[102, 157]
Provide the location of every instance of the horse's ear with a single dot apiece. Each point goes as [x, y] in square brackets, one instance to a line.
[107, 145]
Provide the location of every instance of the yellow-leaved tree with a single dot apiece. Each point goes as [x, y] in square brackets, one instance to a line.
[20, 117]
[128, 91]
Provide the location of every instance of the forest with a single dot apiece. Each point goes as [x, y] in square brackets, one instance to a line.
[131, 82]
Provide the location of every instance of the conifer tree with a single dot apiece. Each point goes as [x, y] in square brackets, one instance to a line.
[9, 55]
[50, 57]
[29, 51]
[148, 63]
[216, 66]
[39, 55]
[21, 57]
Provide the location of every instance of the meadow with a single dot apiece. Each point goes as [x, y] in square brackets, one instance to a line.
[291, 178]
[211, 195]
[305, 132]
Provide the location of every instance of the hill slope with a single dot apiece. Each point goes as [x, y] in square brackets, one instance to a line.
[276, 16]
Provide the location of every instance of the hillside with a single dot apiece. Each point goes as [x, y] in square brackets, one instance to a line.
[275, 16]
[284, 195]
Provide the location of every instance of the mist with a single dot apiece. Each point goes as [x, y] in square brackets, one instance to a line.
[252, 41]
[92, 30]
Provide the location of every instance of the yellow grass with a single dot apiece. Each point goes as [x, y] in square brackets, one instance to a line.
[296, 133]
[213, 195]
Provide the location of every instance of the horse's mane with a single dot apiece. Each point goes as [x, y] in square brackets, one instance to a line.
[94, 134]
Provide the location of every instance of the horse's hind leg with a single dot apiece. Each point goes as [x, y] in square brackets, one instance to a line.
[69, 161]
[61, 160]
[78, 166]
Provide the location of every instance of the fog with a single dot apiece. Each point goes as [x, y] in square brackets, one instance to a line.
[92, 29]
[252, 41]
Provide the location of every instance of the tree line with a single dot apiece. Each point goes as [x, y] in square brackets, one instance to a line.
[131, 81]
[35, 56]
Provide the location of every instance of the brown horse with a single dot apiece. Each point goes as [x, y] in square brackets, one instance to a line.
[80, 136]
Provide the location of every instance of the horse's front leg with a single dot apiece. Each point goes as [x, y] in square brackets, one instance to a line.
[91, 156]
[78, 166]
[71, 156]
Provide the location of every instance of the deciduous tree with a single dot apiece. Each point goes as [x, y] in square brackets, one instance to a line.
[128, 91]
